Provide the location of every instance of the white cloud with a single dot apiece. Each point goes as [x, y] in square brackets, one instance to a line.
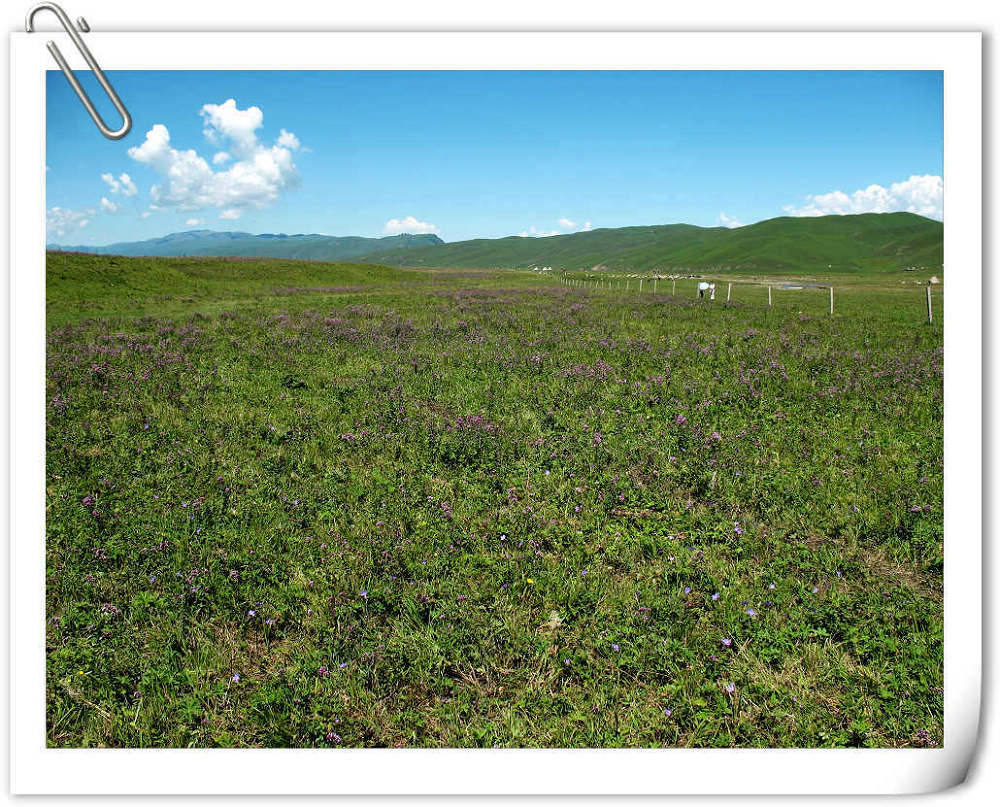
[230, 214]
[566, 225]
[123, 184]
[409, 225]
[923, 195]
[128, 186]
[256, 177]
[108, 206]
[145, 214]
[194, 222]
[534, 232]
[61, 220]
[728, 221]
[221, 157]
[288, 140]
[226, 121]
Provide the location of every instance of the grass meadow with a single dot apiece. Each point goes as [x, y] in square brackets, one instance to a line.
[316, 505]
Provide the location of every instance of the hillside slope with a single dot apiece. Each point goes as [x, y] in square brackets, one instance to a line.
[871, 241]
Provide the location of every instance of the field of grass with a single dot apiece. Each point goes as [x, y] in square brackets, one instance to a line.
[295, 504]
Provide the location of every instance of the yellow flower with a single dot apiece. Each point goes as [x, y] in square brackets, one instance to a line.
[530, 582]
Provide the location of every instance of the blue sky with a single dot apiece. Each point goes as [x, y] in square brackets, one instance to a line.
[487, 154]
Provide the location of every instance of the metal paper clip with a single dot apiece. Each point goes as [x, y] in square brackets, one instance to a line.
[81, 23]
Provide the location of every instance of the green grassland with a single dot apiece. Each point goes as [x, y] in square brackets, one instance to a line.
[333, 505]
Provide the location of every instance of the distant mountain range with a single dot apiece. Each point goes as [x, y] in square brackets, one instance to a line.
[306, 247]
[823, 244]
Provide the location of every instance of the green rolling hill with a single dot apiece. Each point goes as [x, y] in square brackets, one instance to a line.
[867, 242]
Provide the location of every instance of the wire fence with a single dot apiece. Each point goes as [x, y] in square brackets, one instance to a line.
[912, 301]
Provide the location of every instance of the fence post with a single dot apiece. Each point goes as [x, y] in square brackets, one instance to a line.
[654, 285]
[729, 292]
[930, 311]
[831, 301]
[673, 288]
[768, 296]
[640, 285]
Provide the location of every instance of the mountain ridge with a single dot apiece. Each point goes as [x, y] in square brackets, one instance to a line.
[861, 242]
[213, 243]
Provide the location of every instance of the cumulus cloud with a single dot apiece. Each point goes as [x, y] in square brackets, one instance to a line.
[567, 224]
[409, 225]
[61, 220]
[123, 184]
[230, 214]
[923, 195]
[145, 214]
[108, 206]
[255, 178]
[288, 140]
[194, 222]
[226, 121]
[727, 221]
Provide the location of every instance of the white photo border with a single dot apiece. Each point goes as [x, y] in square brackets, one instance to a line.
[36, 769]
